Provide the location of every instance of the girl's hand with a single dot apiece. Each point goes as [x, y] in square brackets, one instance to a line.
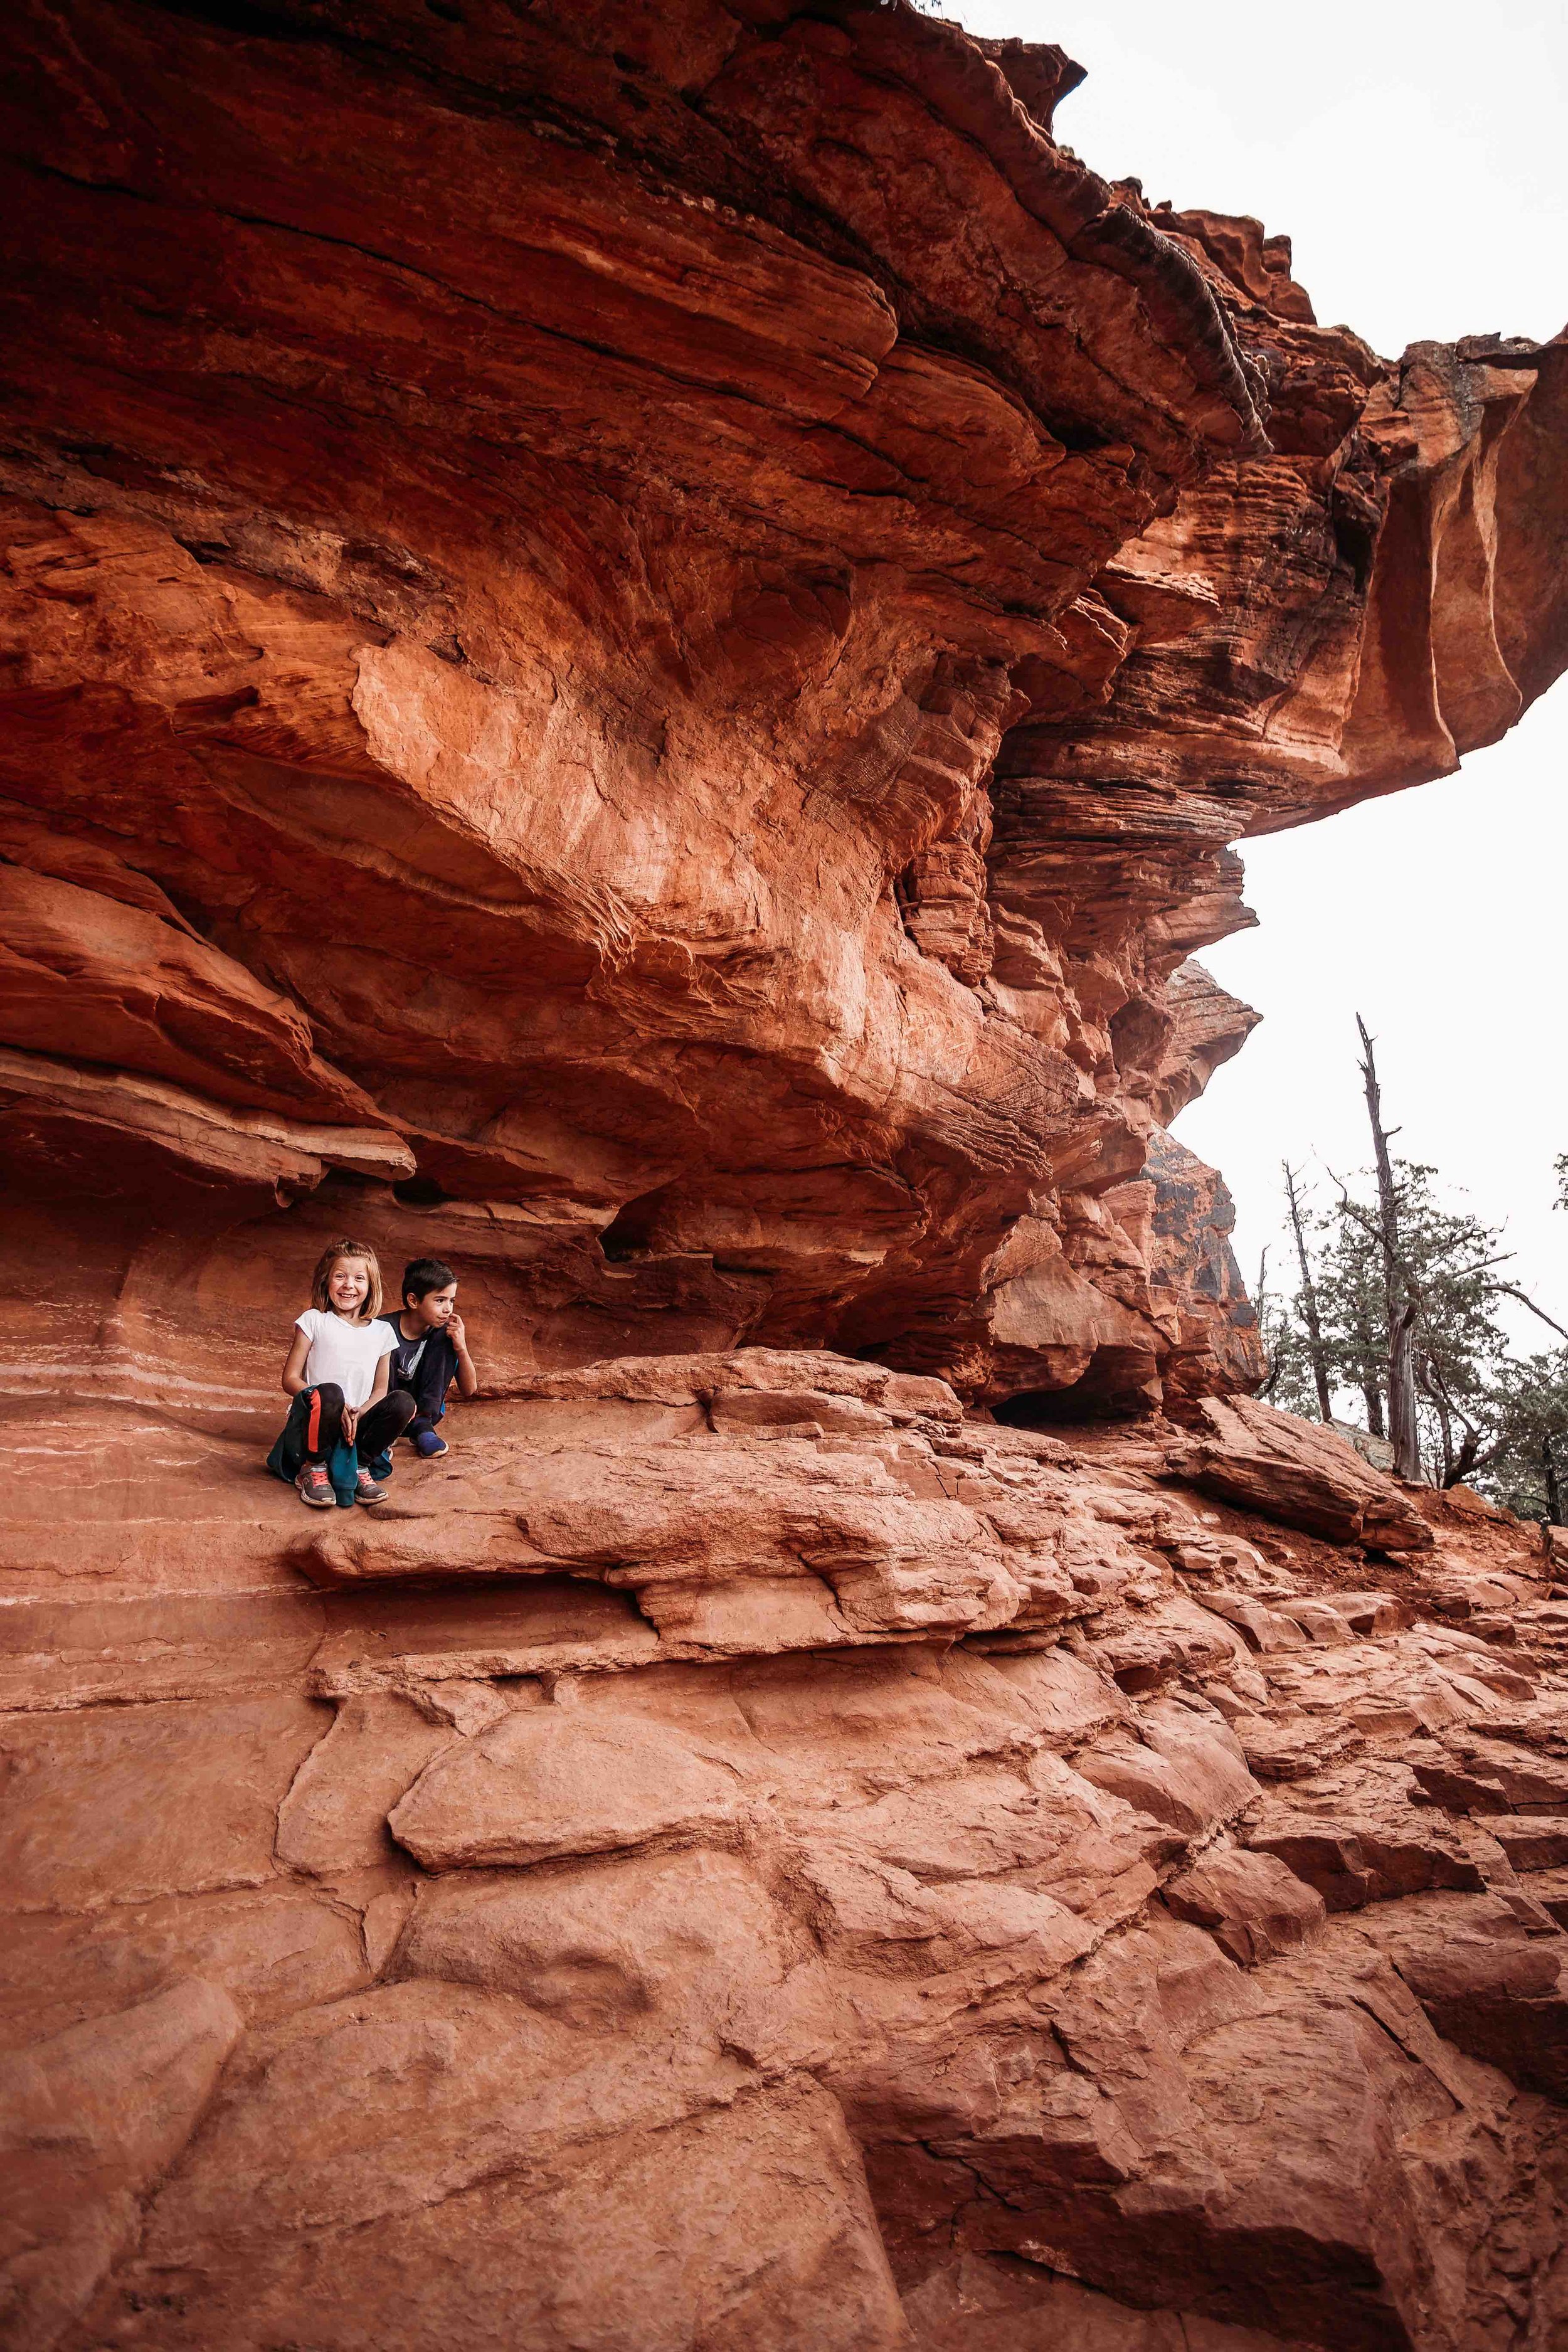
[350, 1422]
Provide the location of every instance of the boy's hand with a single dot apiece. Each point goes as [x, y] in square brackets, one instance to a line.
[350, 1423]
[455, 1327]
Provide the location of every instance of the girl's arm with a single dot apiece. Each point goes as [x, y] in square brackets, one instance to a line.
[378, 1389]
[294, 1366]
[467, 1377]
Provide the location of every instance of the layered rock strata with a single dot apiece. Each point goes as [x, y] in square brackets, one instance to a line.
[655, 634]
[634, 643]
[744, 1852]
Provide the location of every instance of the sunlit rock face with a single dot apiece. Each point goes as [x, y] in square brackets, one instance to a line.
[633, 644]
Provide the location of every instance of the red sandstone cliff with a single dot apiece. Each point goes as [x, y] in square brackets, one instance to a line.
[633, 645]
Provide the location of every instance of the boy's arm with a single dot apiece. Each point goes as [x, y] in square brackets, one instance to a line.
[467, 1377]
[294, 1366]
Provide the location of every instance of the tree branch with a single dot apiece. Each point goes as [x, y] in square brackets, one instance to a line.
[1512, 1290]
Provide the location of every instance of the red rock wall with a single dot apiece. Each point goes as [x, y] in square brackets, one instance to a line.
[633, 645]
[665, 627]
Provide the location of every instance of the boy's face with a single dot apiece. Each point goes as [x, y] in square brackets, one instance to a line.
[435, 1308]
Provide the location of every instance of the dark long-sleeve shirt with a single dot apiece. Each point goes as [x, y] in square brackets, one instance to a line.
[426, 1367]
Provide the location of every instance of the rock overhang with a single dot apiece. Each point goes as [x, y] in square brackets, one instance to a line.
[800, 627]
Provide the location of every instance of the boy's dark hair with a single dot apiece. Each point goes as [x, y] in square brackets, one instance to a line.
[424, 1274]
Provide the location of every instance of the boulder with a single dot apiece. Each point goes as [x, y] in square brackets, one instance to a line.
[1302, 1475]
[558, 1781]
[91, 2118]
[1249, 1902]
[1498, 1993]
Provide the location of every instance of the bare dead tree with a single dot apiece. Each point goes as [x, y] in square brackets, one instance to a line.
[1404, 1428]
[1371, 1373]
[1472, 1454]
[1273, 1358]
[1498, 1289]
[1316, 1354]
[1512, 1290]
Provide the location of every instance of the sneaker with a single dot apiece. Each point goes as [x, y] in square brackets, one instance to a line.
[429, 1444]
[313, 1487]
[367, 1491]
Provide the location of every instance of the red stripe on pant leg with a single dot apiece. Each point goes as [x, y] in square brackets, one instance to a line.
[314, 1422]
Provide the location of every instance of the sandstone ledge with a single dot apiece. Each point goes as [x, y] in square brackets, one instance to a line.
[931, 1839]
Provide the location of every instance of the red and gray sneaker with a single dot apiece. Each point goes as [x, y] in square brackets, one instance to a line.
[367, 1491]
[315, 1488]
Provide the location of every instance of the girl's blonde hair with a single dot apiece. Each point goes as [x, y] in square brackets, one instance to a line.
[323, 1275]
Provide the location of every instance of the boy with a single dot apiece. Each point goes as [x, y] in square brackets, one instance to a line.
[431, 1351]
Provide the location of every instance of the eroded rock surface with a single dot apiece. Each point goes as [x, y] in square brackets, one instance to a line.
[742, 1838]
[653, 635]
[632, 644]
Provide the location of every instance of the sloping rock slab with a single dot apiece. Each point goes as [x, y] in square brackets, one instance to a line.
[1302, 1475]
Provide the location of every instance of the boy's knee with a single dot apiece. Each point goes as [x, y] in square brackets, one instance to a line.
[329, 1396]
[402, 1403]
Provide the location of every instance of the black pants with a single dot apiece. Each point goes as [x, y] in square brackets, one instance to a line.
[379, 1426]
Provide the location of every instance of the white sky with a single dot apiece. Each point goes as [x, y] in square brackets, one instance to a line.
[1417, 157]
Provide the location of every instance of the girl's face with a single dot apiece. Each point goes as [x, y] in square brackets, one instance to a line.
[347, 1286]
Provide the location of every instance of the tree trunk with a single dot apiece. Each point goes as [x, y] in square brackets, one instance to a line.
[1369, 1378]
[1273, 1363]
[1446, 1432]
[1403, 1429]
[1315, 1351]
[1553, 1492]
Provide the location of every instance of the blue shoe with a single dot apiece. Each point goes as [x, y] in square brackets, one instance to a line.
[382, 1466]
[429, 1444]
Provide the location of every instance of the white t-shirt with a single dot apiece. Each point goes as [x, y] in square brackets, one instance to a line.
[345, 1353]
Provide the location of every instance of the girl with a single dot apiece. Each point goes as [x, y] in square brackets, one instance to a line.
[337, 1374]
